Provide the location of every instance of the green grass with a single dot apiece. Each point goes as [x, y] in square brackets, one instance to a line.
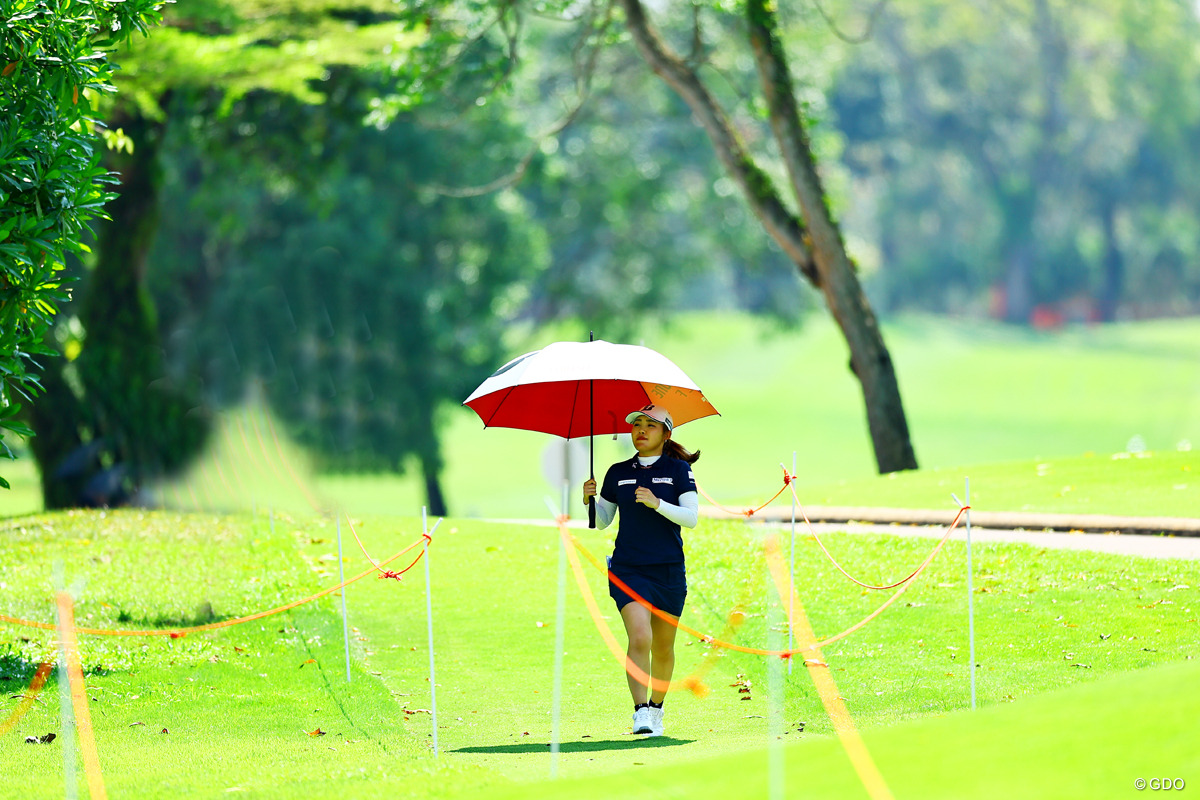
[238, 703]
[976, 394]
[1083, 680]
[1094, 740]
[1148, 484]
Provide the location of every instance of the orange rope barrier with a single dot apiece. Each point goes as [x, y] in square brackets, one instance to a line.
[910, 576]
[387, 573]
[750, 512]
[822, 676]
[789, 483]
[79, 700]
[906, 584]
[29, 698]
[176, 633]
[614, 646]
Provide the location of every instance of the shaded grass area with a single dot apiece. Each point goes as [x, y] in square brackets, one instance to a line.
[240, 704]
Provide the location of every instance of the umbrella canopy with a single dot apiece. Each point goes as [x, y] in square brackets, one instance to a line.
[574, 389]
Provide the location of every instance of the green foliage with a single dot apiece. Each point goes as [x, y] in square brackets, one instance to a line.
[362, 307]
[1037, 154]
[235, 47]
[207, 57]
[54, 65]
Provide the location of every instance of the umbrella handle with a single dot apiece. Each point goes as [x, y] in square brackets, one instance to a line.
[591, 442]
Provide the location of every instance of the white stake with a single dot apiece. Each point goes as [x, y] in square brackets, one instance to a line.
[775, 766]
[970, 595]
[970, 590]
[429, 624]
[792, 599]
[559, 621]
[342, 580]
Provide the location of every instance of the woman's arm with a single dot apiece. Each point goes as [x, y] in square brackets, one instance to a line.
[687, 513]
[605, 511]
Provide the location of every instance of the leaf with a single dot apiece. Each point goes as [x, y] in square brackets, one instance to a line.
[317, 732]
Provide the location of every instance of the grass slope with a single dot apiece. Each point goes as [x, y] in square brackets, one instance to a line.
[975, 394]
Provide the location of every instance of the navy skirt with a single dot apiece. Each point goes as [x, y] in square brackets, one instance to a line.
[664, 586]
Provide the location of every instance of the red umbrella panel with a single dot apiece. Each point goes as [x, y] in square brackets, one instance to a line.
[574, 389]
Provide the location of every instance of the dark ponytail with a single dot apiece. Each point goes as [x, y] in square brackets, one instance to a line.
[674, 449]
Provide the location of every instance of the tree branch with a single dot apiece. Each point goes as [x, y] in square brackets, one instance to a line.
[585, 59]
[781, 224]
[872, 17]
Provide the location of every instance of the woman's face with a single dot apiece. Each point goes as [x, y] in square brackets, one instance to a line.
[648, 436]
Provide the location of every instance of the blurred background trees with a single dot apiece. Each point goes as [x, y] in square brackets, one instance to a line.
[302, 216]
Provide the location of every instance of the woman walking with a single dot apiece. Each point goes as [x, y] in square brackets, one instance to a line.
[654, 493]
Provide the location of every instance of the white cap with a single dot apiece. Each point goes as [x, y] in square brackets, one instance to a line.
[656, 413]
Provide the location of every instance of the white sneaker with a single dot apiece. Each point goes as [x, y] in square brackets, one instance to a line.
[641, 720]
[656, 721]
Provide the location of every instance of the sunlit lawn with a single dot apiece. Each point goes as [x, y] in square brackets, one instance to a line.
[241, 705]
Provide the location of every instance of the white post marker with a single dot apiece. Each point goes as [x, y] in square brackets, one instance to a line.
[559, 621]
[342, 580]
[429, 625]
[792, 599]
[970, 591]
[970, 595]
[776, 783]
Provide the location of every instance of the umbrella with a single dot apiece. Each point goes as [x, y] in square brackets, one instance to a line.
[575, 389]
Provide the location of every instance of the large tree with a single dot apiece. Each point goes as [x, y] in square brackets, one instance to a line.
[54, 66]
[113, 409]
[757, 158]
[358, 311]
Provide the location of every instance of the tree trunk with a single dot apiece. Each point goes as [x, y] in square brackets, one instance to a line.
[430, 471]
[58, 448]
[818, 252]
[141, 425]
